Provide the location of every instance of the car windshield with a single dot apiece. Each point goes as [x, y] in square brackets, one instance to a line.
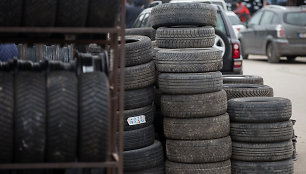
[234, 20]
[295, 18]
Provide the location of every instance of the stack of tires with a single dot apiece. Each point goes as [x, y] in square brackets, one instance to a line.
[53, 116]
[142, 154]
[196, 125]
[238, 86]
[262, 135]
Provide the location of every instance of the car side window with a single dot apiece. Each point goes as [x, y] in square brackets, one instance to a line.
[220, 24]
[255, 19]
[267, 18]
[276, 19]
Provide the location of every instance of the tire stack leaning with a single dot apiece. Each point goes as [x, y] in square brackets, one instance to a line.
[262, 132]
[141, 153]
[193, 103]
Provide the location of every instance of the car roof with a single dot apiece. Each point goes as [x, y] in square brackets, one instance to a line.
[283, 9]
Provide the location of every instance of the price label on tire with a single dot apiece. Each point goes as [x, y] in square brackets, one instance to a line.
[136, 120]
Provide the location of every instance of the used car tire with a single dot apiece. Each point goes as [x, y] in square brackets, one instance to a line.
[94, 118]
[262, 151]
[189, 60]
[197, 128]
[144, 158]
[147, 31]
[196, 37]
[139, 76]
[102, 13]
[194, 106]
[30, 117]
[138, 50]
[190, 83]
[175, 14]
[62, 120]
[138, 98]
[40, 13]
[199, 151]
[146, 111]
[11, 12]
[155, 170]
[247, 90]
[242, 79]
[259, 109]
[71, 13]
[6, 115]
[223, 167]
[262, 132]
[275, 167]
[138, 138]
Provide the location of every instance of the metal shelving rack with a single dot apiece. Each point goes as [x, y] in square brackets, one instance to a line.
[114, 164]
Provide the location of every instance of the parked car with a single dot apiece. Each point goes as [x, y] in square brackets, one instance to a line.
[236, 23]
[276, 31]
[225, 40]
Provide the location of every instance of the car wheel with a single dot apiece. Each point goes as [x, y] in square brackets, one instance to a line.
[244, 55]
[273, 57]
[291, 58]
[222, 43]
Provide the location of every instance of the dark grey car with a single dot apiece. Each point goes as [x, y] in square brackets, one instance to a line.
[225, 40]
[276, 31]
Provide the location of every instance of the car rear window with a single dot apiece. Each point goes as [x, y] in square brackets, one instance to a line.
[296, 18]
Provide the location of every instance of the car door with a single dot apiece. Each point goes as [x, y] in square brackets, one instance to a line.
[263, 30]
[248, 35]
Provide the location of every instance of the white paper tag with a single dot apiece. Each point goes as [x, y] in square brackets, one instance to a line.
[87, 69]
[136, 120]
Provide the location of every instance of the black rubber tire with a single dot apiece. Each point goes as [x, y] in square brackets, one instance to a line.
[144, 158]
[11, 12]
[139, 76]
[62, 121]
[30, 117]
[40, 13]
[194, 106]
[262, 151]
[156, 170]
[6, 115]
[138, 138]
[262, 132]
[272, 54]
[291, 58]
[223, 167]
[103, 13]
[147, 31]
[175, 14]
[259, 109]
[247, 90]
[138, 50]
[243, 53]
[197, 37]
[146, 111]
[197, 128]
[189, 60]
[94, 118]
[138, 98]
[243, 79]
[199, 151]
[190, 83]
[71, 13]
[276, 167]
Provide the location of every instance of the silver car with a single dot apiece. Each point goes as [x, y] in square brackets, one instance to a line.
[276, 31]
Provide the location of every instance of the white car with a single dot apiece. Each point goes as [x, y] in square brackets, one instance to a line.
[217, 2]
[236, 23]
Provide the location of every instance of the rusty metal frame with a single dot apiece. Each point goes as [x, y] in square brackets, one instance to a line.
[114, 163]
